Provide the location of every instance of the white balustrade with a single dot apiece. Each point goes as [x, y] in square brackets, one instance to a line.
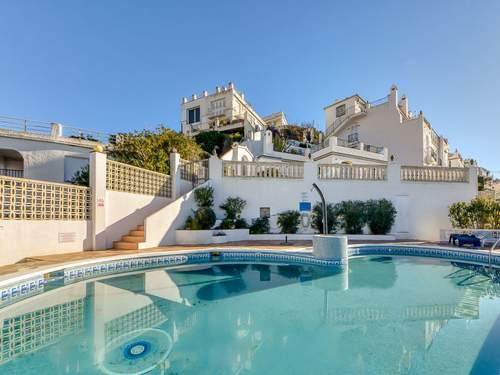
[263, 170]
[434, 174]
[352, 172]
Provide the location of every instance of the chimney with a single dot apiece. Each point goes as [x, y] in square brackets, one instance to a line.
[205, 93]
[194, 97]
[242, 96]
[217, 89]
[230, 85]
[393, 95]
[403, 104]
[184, 100]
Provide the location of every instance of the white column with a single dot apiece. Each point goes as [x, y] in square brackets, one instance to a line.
[214, 168]
[56, 130]
[329, 247]
[175, 174]
[98, 186]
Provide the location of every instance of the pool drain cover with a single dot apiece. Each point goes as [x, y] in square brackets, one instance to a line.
[136, 352]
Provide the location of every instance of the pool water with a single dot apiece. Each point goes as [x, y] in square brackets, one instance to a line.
[382, 315]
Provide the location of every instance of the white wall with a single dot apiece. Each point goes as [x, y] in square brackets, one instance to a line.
[160, 227]
[423, 206]
[44, 160]
[125, 211]
[28, 238]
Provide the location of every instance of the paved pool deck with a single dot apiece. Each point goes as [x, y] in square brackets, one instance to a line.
[39, 263]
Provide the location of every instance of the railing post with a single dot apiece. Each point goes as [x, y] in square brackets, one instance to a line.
[97, 181]
[175, 174]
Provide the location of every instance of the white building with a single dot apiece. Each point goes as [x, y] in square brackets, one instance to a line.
[43, 151]
[409, 138]
[224, 110]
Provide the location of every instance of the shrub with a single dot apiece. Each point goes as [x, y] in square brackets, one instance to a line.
[240, 223]
[227, 224]
[352, 216]
[317, 217]
[233, 207]
[380, 215]
[289, 221]
[204, 218]
[479, 213]
[260, 225]
[459, 215]
[204, 196]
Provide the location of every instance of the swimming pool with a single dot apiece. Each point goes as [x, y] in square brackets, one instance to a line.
[381, 315]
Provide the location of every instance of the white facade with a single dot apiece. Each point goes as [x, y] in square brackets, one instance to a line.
[410, 139]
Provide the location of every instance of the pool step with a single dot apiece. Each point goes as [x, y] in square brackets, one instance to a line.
[134, 240]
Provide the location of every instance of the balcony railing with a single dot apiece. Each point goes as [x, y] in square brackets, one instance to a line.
[11, 172]
[12, 124]
[352, 172]
[263, 170]
[350, 112]
[194, 171]
[434, 174]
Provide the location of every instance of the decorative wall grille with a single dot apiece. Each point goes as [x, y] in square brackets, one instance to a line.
[352, 172]
[434, 174]
[31, 331]
[130, 179]
[23, 199]
[263, 169]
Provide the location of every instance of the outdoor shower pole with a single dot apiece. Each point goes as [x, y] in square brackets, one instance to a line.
[323, 204]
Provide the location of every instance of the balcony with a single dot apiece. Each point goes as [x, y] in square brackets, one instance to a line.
[11, 172]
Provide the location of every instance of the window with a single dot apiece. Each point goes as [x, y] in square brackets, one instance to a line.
[193, 115]
[352, 138]
[340, 110]
[265, 212]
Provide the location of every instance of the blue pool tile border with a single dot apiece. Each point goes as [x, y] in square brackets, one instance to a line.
[37, 284]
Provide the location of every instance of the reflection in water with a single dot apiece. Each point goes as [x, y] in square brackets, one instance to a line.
[380, 315]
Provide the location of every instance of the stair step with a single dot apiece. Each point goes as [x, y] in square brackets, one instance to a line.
[120, 245]
[136, 233]
[140, 227]
[133, 239]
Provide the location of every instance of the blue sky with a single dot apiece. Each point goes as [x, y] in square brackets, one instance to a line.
[123, 65]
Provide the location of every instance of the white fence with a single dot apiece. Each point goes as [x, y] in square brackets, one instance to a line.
[23, 199]
[434, 174]
[352, 172]
[263, 170]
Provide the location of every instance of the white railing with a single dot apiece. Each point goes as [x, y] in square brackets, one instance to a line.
[24, 199]
[17, 125]
[434, 174]
[352, 172]
[263, 170]
[130, 179]
[194, 171]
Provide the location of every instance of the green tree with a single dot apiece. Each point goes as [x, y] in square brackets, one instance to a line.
[380, 215]
[289, 221]
[211, 140]
[317, 218]
[479, 213]
[233, 207]
[81, 177]
[150, 149]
